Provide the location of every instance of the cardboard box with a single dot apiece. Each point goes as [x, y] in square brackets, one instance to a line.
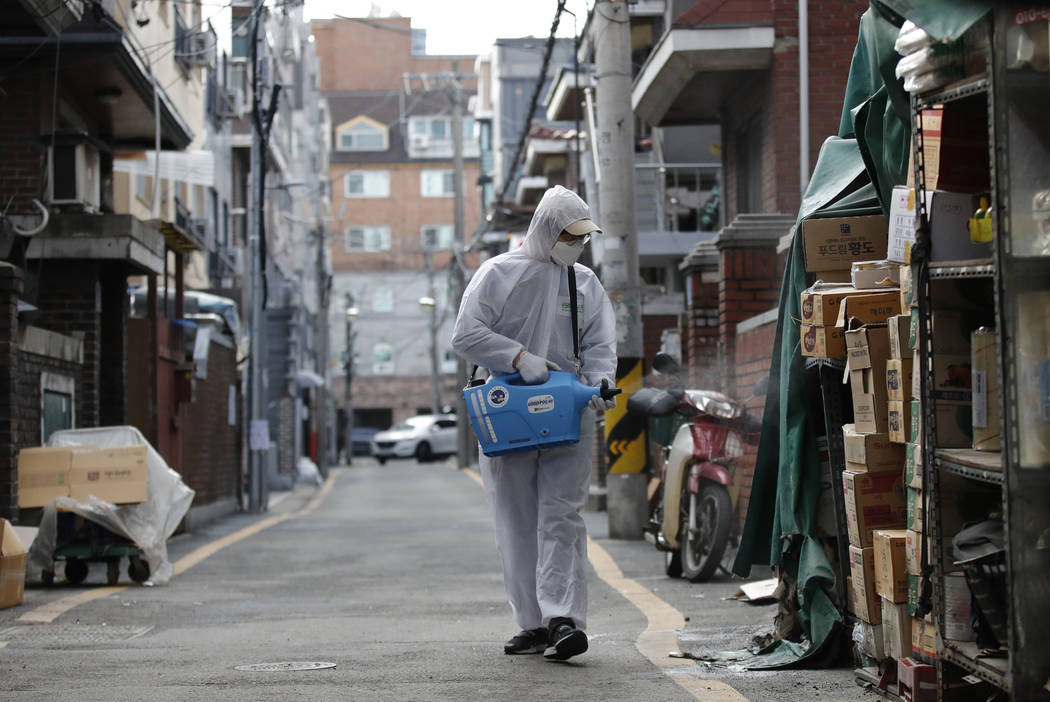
[949, 215]
[955, 148]
[915, 519]
[908, 300]
[924, 639]
[43, 474]
[116, 475]
[899, 419]
[914, 586]
[820, 303]
[867, 350]
[870, 453]
[913, 464]
[913, 329]
[869, 307]
[954, 425]
[864, 599]
[875, 275]
[832, 244]
[823, 342]
[952, 378]
[952, 330]
[873, 501]
[896, 629]
[898, 379]
[13, 562]
[898, 328]
[891, 560]
[913, 552]
[916, 379]
[901, 235]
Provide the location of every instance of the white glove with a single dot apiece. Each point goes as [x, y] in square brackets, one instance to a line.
[599, 404]
[534, 369]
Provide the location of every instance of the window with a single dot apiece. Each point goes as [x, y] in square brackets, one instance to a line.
[382, 359]
[431, 137]
[435, 183]
[383, 299]
[56, 403]
[438, 237]
[367, 239]
[366, 184]
[362, 134]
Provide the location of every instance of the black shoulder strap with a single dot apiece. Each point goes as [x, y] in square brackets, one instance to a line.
[573, 312]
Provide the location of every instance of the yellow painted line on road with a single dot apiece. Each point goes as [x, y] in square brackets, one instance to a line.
[664, 622]
[49, 612]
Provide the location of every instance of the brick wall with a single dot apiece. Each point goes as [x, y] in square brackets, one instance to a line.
[10, 434]
[69, 296]
[700, 344]
[748, 285]
[412, 394]
[22, 168]
[211, 447]
[653, 326]
[754, 351]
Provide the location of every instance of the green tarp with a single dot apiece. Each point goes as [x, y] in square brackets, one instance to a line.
[854, 175]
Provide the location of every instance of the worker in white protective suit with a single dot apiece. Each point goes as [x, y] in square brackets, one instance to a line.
[515, 317]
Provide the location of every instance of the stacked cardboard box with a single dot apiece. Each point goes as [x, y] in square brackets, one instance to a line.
[118, 475]
[827, 308]
[13, 562]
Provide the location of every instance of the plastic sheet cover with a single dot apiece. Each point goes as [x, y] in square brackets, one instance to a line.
[149, 524]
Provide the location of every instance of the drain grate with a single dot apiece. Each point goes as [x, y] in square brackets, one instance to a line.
[45, 635]
[284, 667]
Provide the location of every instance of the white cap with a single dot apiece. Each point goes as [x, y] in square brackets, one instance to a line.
[581, 227]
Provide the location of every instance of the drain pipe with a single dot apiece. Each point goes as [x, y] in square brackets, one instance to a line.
[803, 96]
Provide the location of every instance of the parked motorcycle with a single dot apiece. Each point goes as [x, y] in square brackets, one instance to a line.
[695, 496]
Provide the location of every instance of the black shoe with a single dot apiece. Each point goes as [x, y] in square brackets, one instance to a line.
[565, 640]
[528, 641]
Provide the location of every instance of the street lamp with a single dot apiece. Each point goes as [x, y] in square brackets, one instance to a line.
[429, 306]
[350, 315]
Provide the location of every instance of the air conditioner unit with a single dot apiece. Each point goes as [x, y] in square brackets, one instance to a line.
[199, 227]
[199, 50]
[73, 177]
[419, 142]
[231, 103]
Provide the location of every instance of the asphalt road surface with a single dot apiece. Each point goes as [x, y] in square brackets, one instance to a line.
[391, 574]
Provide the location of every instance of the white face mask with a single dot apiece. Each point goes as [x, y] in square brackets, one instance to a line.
[566, 253]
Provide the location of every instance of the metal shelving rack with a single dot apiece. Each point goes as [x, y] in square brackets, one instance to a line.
[1025, 488]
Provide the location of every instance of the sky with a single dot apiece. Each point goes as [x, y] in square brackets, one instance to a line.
[463, 26]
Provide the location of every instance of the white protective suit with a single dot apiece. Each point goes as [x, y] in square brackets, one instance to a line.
[521, 299]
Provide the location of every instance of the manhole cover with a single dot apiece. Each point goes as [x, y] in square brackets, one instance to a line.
[70, 634]
[284, 667]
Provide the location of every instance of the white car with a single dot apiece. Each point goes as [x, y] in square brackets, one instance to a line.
[424, 437]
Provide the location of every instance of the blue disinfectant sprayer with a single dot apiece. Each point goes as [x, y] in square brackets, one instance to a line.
[509, 416]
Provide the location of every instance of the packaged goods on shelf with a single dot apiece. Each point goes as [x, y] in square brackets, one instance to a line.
[916, 517]
[1033, 382]
[870, 453]
[913, 552]
[899, 326]
[985, 383]
[873, 501]
[891, 574]
[915, 432]
[820, 302]
[957, 611]
[864, 599]
[914, 590]
[907, 289]
[896, 629]
[955, 151]
[913, 329]
[901, 236]
[1034, 238]
[875, 275]
[949, 214]
[916, 380]
[952, 380]
[833, 243]
[870, 307]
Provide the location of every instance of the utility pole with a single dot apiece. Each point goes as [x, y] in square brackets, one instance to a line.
[464, 443]
[259, 433]
[624, 434]
[321, 355]
[429, 305]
